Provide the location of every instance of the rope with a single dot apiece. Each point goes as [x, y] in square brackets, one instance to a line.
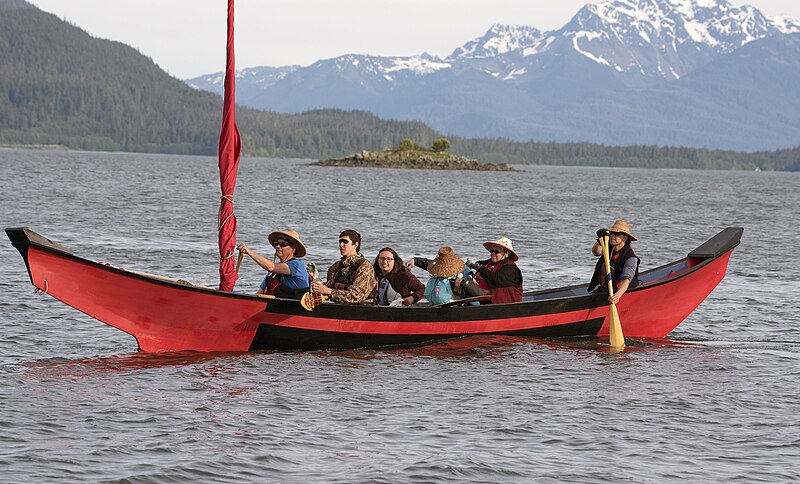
[220, 224]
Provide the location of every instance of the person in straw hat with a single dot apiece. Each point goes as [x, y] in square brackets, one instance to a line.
[499, 275]
[287, 275]
[624, 262]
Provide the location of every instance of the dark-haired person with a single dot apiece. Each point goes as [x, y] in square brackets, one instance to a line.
[499, 274]
[624, 262]
[288, 277]
[396, 284]
[351, 279]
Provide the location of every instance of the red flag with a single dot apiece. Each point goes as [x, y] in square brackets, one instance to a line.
[230, 148]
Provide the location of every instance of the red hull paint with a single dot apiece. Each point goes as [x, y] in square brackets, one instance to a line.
[165, 316]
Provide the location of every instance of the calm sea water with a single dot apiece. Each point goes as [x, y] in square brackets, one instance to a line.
[718, 401]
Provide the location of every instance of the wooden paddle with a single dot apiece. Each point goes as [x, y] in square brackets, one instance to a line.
[311, 300]
[615, 337]
[239, 261]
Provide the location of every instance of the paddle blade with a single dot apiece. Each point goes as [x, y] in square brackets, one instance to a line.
[615, 337]
[310, 301]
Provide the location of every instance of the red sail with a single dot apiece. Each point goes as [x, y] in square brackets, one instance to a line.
[230, 147]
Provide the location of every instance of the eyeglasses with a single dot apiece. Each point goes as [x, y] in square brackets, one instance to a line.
[618, 234]
[344, 241]
[385, 259]
[282, 243]
[495, 251]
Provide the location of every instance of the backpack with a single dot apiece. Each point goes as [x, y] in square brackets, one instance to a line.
[438, 290]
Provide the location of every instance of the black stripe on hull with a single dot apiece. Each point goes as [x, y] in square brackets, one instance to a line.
[271, 337]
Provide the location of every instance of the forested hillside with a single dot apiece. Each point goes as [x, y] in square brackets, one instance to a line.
[60, 86]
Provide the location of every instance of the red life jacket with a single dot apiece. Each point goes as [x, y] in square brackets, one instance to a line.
[500, 295]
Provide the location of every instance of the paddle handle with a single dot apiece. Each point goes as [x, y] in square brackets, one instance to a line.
[239, 261]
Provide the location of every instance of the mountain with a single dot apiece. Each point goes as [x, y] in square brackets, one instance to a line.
[61, 86]
[619, 72]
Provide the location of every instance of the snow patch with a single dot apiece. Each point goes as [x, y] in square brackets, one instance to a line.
[416, 65]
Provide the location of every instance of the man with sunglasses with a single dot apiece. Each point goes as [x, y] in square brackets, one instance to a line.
[287, 275]
[351, 279]
[624, 262]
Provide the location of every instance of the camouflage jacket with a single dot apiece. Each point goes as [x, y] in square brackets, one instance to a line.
[362, 287]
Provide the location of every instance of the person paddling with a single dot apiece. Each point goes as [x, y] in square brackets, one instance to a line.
[288, 277]
[624, 262]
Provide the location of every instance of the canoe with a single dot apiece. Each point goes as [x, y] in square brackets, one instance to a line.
[165, 314]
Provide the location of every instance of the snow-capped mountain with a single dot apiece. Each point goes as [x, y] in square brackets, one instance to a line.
[498, 40]
[497, 84]
[667, 38]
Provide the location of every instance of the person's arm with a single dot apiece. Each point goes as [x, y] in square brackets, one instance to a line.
[420, 262]
[508, 275]
[330, 279]
[412, 289]
[361, 288]
[597, 248]
[277, 268]
[628, 271]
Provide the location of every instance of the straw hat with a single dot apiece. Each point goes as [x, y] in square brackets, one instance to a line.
[503, 243]
[299, 248]
[446, 263]
[622, 226]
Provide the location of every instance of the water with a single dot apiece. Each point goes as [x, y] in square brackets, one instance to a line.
[717, 401]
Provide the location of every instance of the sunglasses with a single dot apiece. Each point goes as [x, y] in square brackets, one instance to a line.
[282, 243]
[495, 251]
[344, 241]
[617, 233]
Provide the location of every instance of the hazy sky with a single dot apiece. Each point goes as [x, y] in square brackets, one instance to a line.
[187, 37]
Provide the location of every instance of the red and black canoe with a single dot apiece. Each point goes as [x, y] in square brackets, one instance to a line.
[168, 315]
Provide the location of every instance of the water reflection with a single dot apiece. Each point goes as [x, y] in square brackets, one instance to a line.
[78, 367]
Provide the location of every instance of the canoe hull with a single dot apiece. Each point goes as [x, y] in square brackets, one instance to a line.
[166, 315]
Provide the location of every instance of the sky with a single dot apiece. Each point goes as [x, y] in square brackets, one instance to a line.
[186, 38]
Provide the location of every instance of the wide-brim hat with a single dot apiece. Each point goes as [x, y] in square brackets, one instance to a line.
[299, 248]
[446, 263]
[503, 243]
[622, 226]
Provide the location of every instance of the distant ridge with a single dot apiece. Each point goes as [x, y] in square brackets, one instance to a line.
[619, 72]
[61, 86]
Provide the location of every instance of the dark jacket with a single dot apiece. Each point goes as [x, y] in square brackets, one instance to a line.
[504, 280]
[406, 284]
[617, 262]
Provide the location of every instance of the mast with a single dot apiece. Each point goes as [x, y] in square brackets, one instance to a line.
[230, 148]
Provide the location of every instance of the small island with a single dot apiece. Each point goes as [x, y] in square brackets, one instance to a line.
[409, 155]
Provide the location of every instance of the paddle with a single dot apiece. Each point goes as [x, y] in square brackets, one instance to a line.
[615, 337]
[311, 300]
[239, 261]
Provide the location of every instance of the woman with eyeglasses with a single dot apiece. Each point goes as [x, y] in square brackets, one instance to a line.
[624, 262]
[499, 275]
[351, 279]
[396, 284]
[287, 275]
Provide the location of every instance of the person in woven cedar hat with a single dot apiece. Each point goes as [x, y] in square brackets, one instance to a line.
[445, 270]
[499, 275]
[624, 262]
[287, 275]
